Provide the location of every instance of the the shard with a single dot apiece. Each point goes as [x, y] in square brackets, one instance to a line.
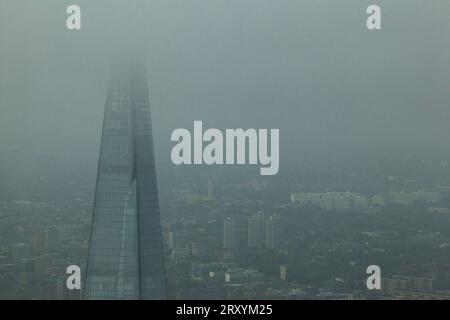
[125, 256]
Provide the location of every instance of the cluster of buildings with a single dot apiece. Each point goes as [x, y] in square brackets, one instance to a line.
[229, 280]
[402, 283]
[262, 231]
[349, 200]
[337, 200]
[37, 243]
[410, 197]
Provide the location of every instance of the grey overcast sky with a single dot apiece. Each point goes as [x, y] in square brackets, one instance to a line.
[307, 67]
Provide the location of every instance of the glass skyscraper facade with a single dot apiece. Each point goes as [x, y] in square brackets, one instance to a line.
[125, 258]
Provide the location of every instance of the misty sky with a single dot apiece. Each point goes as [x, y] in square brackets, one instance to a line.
[309, 68]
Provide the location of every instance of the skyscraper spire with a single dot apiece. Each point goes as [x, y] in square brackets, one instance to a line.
[125, 258]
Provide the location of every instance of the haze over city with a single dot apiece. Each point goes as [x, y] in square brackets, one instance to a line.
[361, 115]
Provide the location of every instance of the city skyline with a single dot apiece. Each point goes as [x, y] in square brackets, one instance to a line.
[225, 149]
